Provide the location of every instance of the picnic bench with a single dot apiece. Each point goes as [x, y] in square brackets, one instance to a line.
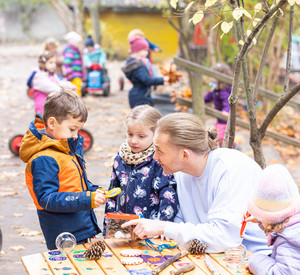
[55, 263]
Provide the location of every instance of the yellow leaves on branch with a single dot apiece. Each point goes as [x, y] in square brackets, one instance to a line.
[238, 12]
[174, 3]
[226, 27]
[197, 17]
[210, 3]
[189, 6]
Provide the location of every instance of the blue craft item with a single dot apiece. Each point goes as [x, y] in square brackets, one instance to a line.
[152, 245]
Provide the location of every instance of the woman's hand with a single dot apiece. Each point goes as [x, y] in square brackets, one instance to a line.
[145, 227]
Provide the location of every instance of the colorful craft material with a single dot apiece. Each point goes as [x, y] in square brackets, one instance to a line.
[131, 252]
[132, 260]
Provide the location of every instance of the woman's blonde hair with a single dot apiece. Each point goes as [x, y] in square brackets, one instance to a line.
[146, 115]
[224, 69]
[186, 131]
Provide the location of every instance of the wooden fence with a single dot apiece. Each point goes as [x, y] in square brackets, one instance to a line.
[198, 105]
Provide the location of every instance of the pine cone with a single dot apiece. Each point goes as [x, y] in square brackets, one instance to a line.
[197, 247]
[95, 251]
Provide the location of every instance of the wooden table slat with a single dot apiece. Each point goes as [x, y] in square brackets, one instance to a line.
[35, 264]
[55, 263]
[181, 262]
[141, 245]
[59, 263]
[109, 263]
[83, 265]
[220, 259]
[116, 246]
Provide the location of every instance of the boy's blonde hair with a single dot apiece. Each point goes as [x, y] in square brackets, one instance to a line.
[64, 104]
[146, 115]
[186, 131]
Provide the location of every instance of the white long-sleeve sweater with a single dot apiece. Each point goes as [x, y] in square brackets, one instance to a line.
[212, 205]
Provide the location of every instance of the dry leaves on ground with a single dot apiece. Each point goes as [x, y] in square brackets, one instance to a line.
[16, 247]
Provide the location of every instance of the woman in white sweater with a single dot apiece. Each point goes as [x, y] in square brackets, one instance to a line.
[213, 185]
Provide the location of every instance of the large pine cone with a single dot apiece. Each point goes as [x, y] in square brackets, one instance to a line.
[197, 247]
[95, 251]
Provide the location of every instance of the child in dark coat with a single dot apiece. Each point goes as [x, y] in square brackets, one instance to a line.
[145, 188]
[136, 71]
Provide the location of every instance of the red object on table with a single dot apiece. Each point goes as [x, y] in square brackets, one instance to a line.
[244, 222]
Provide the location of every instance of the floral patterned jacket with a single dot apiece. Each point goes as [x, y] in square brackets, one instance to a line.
[145, 188]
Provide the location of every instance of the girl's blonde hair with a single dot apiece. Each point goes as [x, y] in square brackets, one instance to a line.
[275, 227]
[224, 69]
[186, 131]
[146, 115]
[135, 32]
[44, 57]
[50, 42]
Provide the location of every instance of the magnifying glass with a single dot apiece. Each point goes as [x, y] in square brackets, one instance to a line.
[113, 192]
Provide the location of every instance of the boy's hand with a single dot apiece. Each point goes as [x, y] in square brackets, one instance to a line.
[100, 198]
[166, 79]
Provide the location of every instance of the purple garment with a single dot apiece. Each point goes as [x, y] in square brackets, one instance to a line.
[220, 99]
[285, 257]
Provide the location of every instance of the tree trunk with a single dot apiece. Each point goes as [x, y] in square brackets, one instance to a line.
[94, 13]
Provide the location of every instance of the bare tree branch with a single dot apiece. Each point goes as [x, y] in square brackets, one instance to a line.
[289, 52]
[263, 58]
[277, 107]
[238, 68]
[64, 13]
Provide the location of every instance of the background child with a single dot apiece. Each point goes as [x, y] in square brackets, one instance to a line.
[136, 71]
[219, 96]
[55, 172]
[73, 60]
[45, 81]
[51, 45]
[93, 53]
[275, 203]
[152, 48]
[145, 188]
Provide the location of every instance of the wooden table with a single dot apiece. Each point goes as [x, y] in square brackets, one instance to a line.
[53, 262]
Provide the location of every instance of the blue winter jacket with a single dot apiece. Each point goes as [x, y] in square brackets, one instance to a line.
[57, 182]
[138, 74]
[145, 188]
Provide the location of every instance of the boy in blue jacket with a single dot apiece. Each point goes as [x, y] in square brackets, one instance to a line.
[55, 172]
[136, 70]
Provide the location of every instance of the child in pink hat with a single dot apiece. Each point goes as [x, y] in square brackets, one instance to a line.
[136, 70]
[275, 205]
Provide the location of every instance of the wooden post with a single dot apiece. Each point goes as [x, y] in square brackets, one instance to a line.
[197, 96]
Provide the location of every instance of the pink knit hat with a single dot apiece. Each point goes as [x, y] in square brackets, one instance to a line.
[138, 43]
[275, 197]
